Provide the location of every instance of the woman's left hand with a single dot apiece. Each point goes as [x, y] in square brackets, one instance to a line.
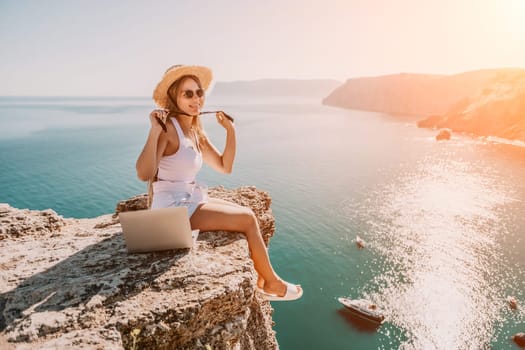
[225, 122]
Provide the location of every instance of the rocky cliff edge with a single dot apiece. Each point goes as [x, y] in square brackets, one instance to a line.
[69, 283]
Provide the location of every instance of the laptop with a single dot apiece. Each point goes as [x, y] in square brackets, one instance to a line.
[157, 229]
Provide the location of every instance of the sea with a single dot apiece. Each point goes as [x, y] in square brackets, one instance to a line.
[443, 222]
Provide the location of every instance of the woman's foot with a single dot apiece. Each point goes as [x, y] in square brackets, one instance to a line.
[280, 288]
[260, 283]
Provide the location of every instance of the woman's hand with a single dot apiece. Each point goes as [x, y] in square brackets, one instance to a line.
[225, 122]
[158, 118]
[148, 161]
[222, 162]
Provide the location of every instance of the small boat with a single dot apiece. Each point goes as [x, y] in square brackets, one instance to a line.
[363, 309]
[359, 242]
[513, 303]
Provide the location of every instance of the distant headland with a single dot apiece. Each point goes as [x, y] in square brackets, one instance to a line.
[487, 102]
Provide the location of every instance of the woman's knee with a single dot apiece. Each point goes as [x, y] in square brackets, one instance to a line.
[248, 218]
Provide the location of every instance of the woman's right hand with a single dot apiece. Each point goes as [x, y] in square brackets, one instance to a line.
[156, 116]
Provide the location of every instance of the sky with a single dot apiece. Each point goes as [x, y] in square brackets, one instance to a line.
[121, 48]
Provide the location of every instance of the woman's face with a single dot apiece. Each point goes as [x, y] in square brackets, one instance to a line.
[190, 97]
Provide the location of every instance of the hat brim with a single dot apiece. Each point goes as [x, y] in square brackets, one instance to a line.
[160, 94]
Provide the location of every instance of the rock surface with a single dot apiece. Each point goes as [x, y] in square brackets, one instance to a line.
[69, 283]
[25, 222]
[444, 134]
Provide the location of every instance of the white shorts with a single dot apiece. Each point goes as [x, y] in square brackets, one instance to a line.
[174, 194]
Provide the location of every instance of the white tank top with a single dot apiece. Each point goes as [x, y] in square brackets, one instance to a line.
[183, 165]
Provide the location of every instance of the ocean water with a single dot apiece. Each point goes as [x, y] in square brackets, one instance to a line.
[444, 222]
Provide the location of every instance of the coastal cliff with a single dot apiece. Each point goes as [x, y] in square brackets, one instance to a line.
[486, 102]
[69, 283]
[498, 110]
[408, 94]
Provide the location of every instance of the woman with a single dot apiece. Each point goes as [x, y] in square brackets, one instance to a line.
[173, 157]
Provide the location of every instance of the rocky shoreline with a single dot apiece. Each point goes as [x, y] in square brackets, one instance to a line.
[69, 283]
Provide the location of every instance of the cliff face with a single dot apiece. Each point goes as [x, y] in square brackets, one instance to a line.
[486, 102]
[498, 110]
[408, 94]
[69, 283]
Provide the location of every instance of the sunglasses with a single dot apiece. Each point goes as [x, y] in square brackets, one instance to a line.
[191, 93]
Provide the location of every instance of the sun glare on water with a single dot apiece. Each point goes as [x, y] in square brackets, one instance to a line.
[438, 227]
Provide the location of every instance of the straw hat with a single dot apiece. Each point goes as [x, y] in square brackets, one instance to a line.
[160, 94]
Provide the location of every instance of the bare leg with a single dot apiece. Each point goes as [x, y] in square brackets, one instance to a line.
[260, 279]
[217, 216]
[225, 202]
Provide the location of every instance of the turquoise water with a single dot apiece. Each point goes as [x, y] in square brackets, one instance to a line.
[443, 222]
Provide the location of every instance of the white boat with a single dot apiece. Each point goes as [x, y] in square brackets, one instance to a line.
[363, 309]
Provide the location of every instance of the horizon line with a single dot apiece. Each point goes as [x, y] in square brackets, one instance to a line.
[275, 79]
